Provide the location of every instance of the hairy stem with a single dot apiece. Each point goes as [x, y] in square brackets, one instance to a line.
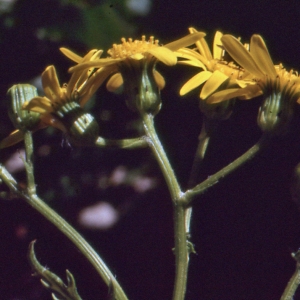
[181, 249]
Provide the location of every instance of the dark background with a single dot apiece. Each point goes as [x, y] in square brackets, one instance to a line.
[244, 229]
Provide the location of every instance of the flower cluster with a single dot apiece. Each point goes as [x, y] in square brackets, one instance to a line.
[130, 67]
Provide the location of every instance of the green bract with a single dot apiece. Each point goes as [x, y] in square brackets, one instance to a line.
[18, 94]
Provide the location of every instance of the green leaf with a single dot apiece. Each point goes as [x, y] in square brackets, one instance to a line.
[60, 290]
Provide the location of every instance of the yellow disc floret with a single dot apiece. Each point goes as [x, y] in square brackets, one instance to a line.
[131, 48]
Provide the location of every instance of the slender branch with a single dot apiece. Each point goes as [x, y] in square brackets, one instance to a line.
[66, 229]
[181, 247]
[123, 144]
[293, 283]
[161, 157]
[212, 180]
[60, 222]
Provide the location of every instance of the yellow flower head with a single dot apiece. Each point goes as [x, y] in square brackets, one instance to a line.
[132, 65]
[216, 73]
[134, 50]
[61, 107]
[267, 77]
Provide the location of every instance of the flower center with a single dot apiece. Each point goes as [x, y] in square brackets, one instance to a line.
[130, 47]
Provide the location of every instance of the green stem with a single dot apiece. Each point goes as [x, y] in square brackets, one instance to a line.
[181, 253]
[179, 202]
[293, 283]
[62, 225]
[161, 157]
[123, 144]
[28, 162]
[212, 180]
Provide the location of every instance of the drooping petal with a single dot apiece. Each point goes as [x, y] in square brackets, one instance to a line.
[51, 84]
[247, 93]
[191, 54]
[114, 82]
[41, 105]
[213, 83]
[217, 46]
[185, 41]
[102, 62]
[159, 79]
[14, 138]
[52, 120]
[71, 55]
[194, 82]
[260, 53]
[77, 58]
[94, 82]
[164, 55]
[239, 53]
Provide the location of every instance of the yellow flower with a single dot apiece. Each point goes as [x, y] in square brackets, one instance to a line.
[61, 107]
[267, 78]
[134, 50]
[132, 65]
[216, 73]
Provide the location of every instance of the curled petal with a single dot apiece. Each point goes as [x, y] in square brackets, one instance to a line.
[14, 138]
[94, 82]
[159, 79]
[114, 82]
[241, 55]
[71, 55]
[260, 53]
[41, 105]
[194, 82]
[51, 84]
[202, 46]
[213, 83]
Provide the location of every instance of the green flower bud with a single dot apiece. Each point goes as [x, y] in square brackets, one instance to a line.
[82, 128]
[140, 87]
[275, 114]
[22, 119]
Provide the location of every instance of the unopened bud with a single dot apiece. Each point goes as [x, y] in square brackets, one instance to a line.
[22, 119]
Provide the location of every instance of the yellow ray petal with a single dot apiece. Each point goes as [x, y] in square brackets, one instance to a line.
[213, 83]
[202, 46]
[260, 53]
[193, 63]
[247, 93]
[192, 55]
[159, 79]
[94, 82]
[71, 55]
[238, 52]
[41, 105]
[217, 46]
[51, 84]
[164, 55]
[185, 41]
[102, 62]
[114, 82]
[194, 82]
[14, 138]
